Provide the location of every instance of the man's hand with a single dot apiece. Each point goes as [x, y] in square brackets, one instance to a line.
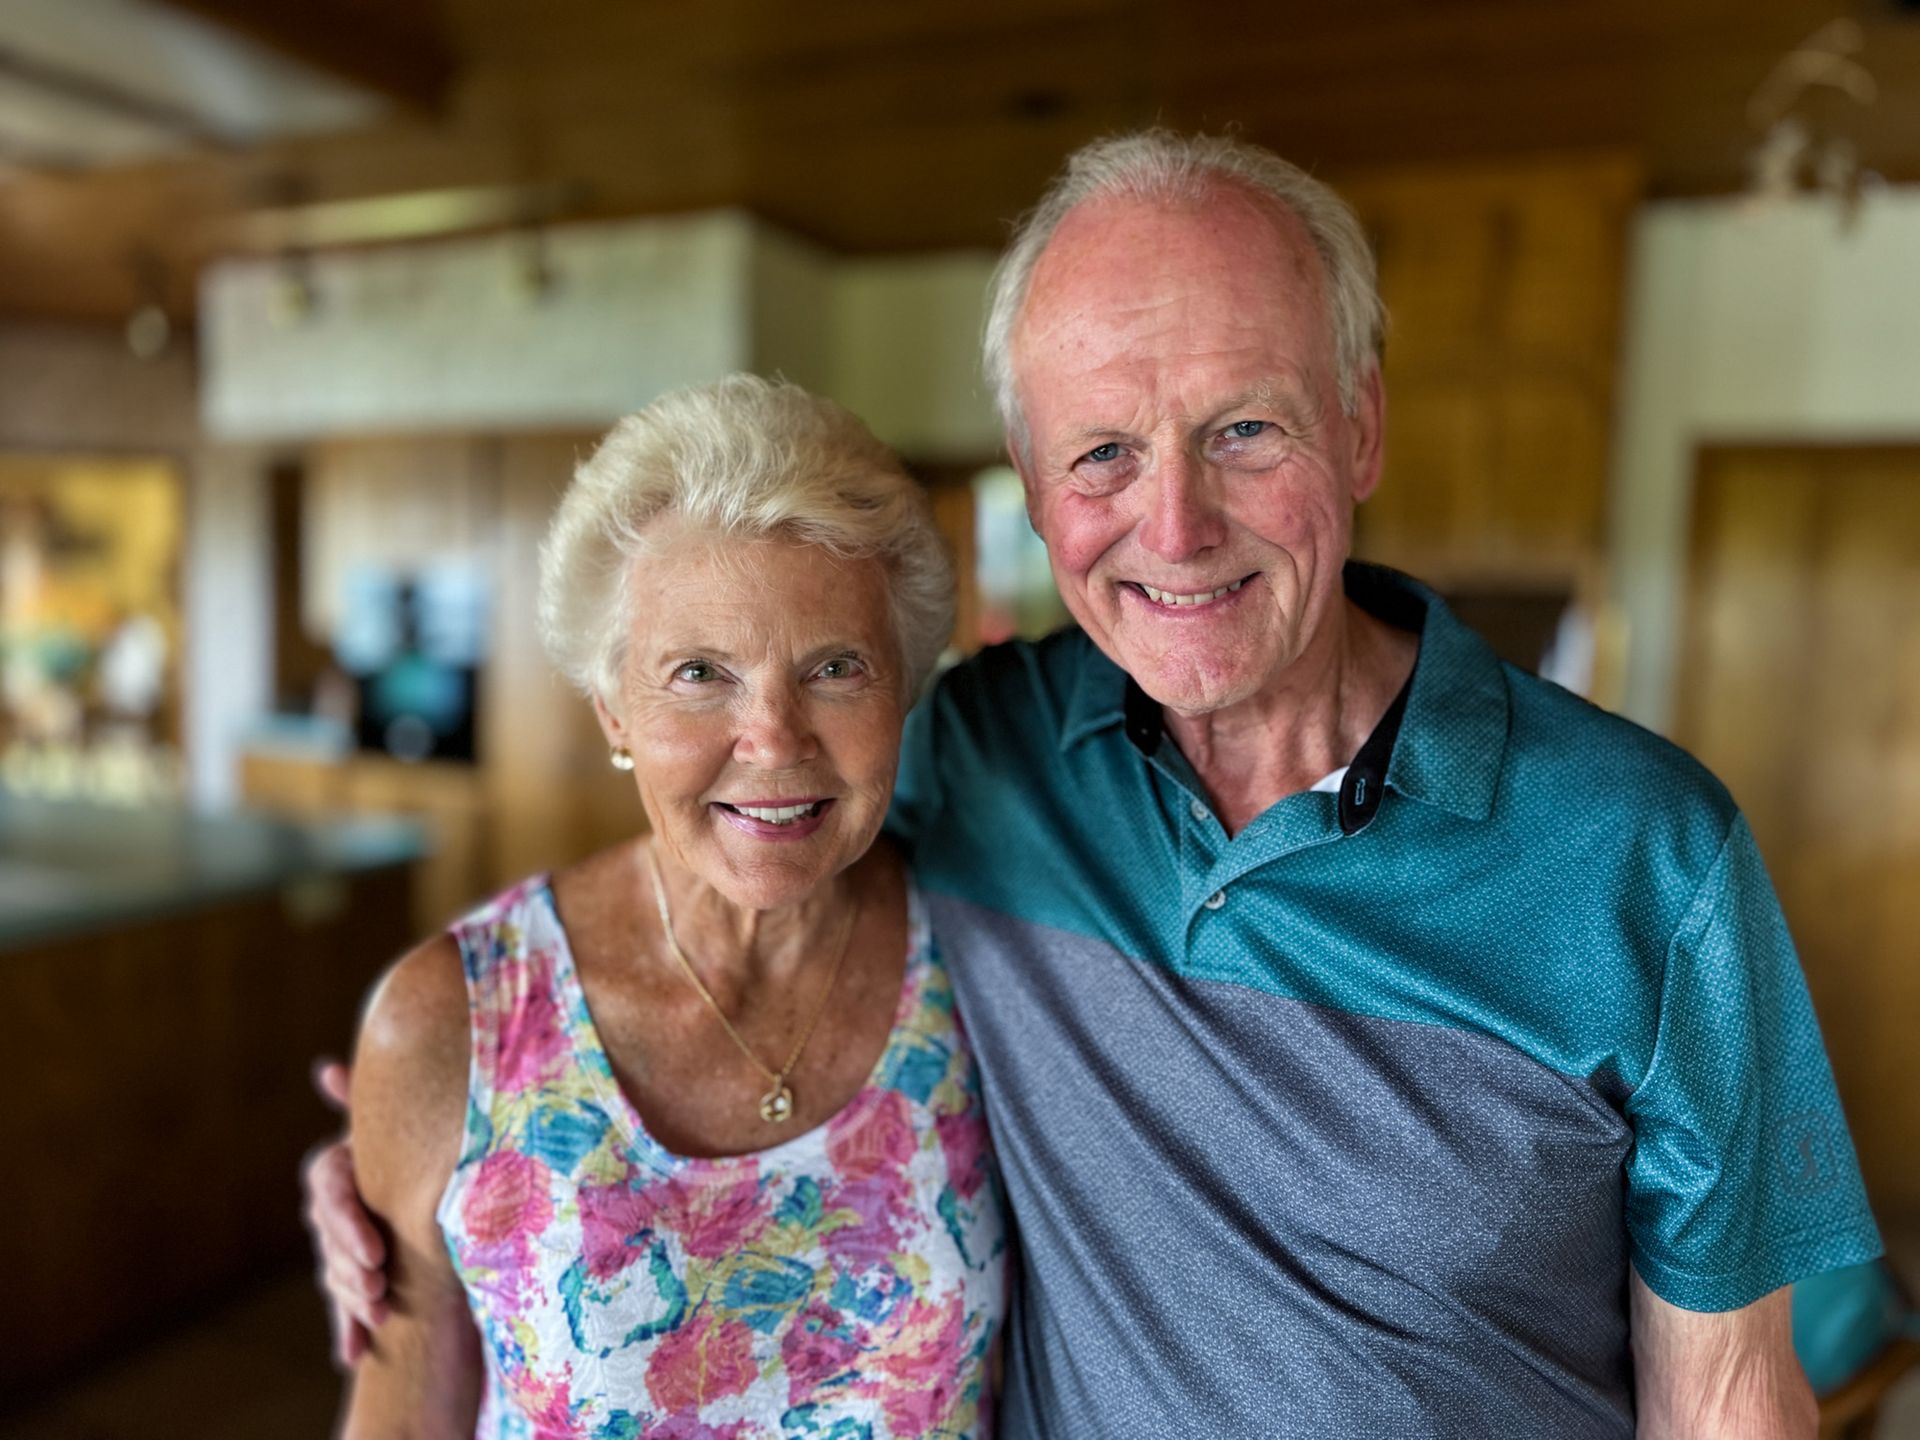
[352, 1254]
[1730, 1376]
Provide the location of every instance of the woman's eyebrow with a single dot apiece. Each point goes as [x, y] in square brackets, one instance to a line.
[689, 652]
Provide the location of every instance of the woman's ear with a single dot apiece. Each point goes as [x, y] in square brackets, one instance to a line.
[610, 725]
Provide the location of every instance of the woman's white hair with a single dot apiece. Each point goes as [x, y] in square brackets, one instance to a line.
[1162, 165]
[749, 458]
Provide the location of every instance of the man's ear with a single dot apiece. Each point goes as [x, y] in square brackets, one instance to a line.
[1019, 458]
[1369, 430]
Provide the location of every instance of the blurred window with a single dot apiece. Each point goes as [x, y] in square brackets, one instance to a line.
[1017, 598]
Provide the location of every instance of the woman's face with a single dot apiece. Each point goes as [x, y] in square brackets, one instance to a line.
[762, 699]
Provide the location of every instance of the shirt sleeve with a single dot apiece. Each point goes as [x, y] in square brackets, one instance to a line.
[1742, 1176]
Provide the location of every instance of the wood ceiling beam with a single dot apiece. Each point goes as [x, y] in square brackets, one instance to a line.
[388, 49]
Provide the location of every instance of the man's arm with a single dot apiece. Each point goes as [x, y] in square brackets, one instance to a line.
[1727, 1376]
[349, 1248]
[420, 1377]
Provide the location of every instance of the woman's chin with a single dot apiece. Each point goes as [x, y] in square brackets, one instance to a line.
[772, 876]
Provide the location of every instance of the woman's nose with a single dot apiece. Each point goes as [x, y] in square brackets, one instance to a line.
[774, 733]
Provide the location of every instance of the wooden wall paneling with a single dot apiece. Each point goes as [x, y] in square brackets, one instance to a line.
[162, 1105]
[1438, 269]
[396, 502]
[966, 109]
[1503, 284]
[1440, 439]
[950, 489]
[1749, 631]
[450, 801]
[293, 785]
[554, 796]
[1859, 866]
[1800, 687]
[1544, 497]
[1561, 290]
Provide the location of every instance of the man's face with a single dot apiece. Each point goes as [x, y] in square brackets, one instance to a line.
[1188, 462]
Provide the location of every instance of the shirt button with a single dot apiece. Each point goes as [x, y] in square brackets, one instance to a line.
[1215, 900]
[1198, 809]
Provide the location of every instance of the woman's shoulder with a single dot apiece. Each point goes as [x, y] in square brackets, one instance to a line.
[415, 1008]
[410, 1069]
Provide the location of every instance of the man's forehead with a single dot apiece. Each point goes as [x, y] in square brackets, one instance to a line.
[1212, 236]
[1124, 275]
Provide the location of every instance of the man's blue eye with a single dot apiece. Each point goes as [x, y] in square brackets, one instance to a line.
[1246, 429]
[1100, 454]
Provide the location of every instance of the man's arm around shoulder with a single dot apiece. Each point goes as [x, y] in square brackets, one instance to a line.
[1726, 1376]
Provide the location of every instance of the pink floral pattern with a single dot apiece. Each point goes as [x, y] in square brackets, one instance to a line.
[846, 1285]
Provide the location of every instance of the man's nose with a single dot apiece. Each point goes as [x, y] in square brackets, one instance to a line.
[774, 731]
[1184, 518]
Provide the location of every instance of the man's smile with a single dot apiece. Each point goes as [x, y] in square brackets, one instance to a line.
[1214, 598]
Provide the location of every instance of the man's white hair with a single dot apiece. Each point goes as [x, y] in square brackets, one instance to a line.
[1161, 165]
[749, 458]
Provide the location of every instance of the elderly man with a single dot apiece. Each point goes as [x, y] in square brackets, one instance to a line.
[1377, 1041]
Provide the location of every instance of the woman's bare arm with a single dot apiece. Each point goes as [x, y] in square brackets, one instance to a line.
[420, 1378]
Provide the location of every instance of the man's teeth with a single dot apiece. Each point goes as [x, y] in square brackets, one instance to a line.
[1167, 597]
[777, 814]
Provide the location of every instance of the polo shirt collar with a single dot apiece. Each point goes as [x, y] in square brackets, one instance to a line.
[1452, 737]
[1099, 698]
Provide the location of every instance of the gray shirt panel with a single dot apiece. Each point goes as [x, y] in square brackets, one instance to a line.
[1362, 1227]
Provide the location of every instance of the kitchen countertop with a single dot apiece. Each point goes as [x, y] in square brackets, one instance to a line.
[69, 868]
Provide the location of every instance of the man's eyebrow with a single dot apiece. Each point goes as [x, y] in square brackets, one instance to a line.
[1294, 403]
[1098, 432]
[1266, 394]
[1076, 442]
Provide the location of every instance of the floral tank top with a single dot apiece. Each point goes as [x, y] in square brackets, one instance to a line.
[847, 1284]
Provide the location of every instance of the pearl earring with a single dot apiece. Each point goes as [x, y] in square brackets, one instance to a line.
[620, 758]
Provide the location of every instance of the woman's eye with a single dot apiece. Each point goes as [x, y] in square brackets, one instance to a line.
[698, 671]
[1101, 454]
[1246, 429]
[844, 668]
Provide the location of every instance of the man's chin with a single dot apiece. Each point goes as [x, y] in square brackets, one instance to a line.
[1188, 686]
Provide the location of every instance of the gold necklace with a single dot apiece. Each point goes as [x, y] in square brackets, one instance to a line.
[777, 1105]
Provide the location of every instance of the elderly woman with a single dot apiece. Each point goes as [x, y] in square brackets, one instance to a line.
[685, 1140]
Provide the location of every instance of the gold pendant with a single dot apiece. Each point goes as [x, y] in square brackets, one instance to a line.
[776, 1106]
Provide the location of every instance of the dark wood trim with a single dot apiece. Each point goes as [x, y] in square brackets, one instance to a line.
[393, 50]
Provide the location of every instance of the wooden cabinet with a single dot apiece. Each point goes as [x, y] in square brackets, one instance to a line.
[1503, 284]
[449, 801]
[548, 784]
[159, 1104]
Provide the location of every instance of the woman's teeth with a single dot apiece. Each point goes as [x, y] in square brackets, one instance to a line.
[1167, 597]
[776, 814]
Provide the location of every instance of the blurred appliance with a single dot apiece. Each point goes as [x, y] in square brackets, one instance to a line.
[414, 646]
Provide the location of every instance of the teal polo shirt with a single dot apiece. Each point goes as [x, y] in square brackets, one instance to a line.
[1351, 1124]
